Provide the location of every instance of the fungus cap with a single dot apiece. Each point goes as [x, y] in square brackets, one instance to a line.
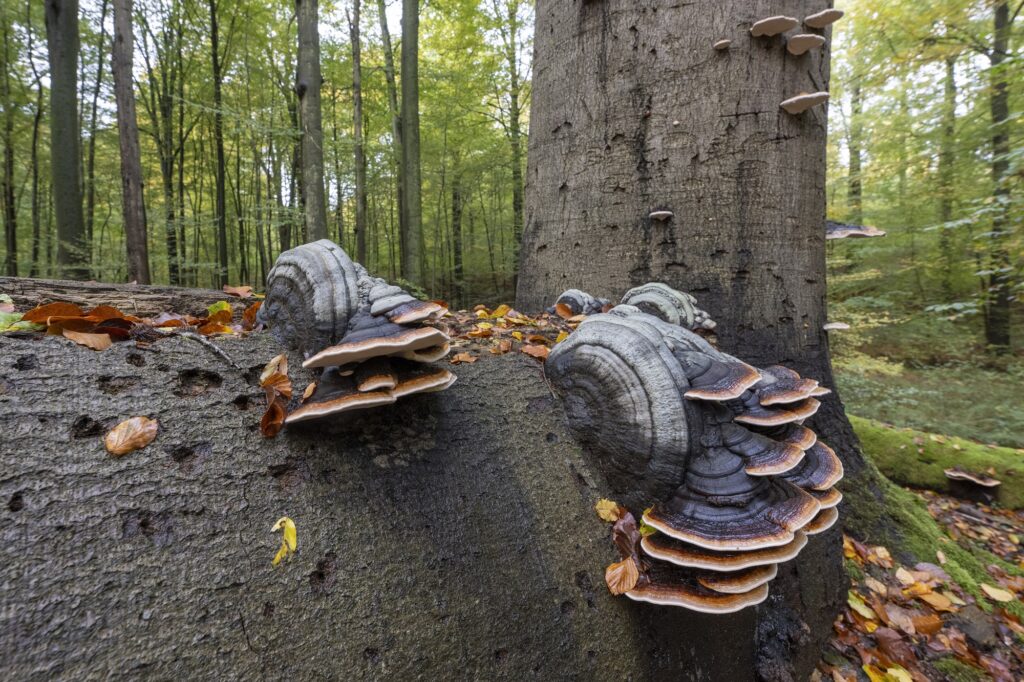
[957, 474]
[664, 548]
[722, 44]
[739, 582]
[804, 42]
[771, 26]
[823, 18]
[803, 102]
[825, 519]
[670, 586]
[372, 337]
[335, 394]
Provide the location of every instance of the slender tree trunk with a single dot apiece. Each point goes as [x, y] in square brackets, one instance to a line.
[133, 208]
[511, 40]
[457, 266]
[396, 115]
[10, 210]
[412, 232]
[63, 46]
[308, 90]
[218, 141]
[1000, 284]
[90, 163]
[946, 152]
[182, 253]
[854, 186]
[37, 117]
[357, 132]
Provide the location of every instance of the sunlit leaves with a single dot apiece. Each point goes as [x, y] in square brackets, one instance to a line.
[130, 435]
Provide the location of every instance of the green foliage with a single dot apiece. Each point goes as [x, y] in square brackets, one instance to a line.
[955, 671]
[917, 459]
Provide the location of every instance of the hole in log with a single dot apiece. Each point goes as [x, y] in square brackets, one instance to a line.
[252, 375]
[291, 475]
[190, 458]
[586, 586]
[325, 575]
[116, 385]
[195, 382]
[17, 502]
[501, 655]
[86, 427]
[243, 402]
[157, 527]
[135, 359]
[26, 362]
[372, 654]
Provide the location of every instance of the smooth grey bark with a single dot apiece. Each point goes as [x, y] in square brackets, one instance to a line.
[133, 209]
[411, 230]
[90, 161]
[7, 181]
[63, 45]
[310, 117]
[656, 119]
[218, 141]
[446, 536]
[357, 132]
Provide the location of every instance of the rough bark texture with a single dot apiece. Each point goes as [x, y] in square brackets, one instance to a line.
[448, 535]
[132, 208]
[136, 300]
[308, 89]
[659, 120]
[10, 208]
[63, 44]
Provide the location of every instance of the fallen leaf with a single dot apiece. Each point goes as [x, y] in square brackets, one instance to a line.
[518, 336]
[131, 434]
[608, 511]
[540, 352]
[44, 312]
[310, 387]
[249, 316]
[622, 576]
[928, 624]
[563, 311]
[94, 341]
[903, 575]
[996, 593]
[272, 420]
[500, 311]
[562, 336]
[289, 538]
[467, 358]
[876, 586]
[858, 605]
[277, 365]
[937, 601]
[240, 292]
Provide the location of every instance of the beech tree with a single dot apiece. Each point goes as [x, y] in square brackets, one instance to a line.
[412, 228]
[307, 88]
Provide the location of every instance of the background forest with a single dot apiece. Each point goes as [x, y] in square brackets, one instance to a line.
[924, 143]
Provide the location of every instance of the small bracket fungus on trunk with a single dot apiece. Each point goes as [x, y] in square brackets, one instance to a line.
[834, 230]
[366, 334]
[823, 18]
[660, 215]
[835, 326]
[772, 26]
[804, 42]
[803, 102]
[709, 446]
[675, 307]
[972, 486]
[722, 44]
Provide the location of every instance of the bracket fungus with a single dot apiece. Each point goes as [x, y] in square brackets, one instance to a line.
[580, 303]
[834, 230]
[368, 336]
[675, 307]
[722, 44]
[804, 42]
[772, 26]
[660, 215]
[710, 446]
[803, 102]
[823, 18]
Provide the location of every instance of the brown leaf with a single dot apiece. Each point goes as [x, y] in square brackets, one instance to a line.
[540, 352]
[504, 346]
[622, 576]
[310, 387]
[927, 624]
[459, 358]
[44, 312]
[249, 316]
[240, 292]
[131, 434]
[94, 341]
[212, 328]
[937, 601]
[273, 419]
[277, 365]
[563, 311]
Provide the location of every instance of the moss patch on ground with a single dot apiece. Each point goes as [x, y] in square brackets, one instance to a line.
[955, 671]
[918, 459]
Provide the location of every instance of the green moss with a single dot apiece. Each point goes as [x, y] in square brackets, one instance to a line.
[895, 452]
[853, 570]
[955, 671]
[882, 513]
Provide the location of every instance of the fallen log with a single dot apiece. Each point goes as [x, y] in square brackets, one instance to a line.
[134, 299]
[447, 536]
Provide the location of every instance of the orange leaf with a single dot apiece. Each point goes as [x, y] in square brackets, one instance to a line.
[277, 365]
[57, 325]
[310, 387]
[249, 316]
[563, 311]
[273, 418]
[43, 312]
[220, 317]
[211, 328]
[459, 358]
[539, 352]
[94, 341]
[131, 434]
[622, 576]
[240, 292]
[928, 624]
[105, 312]
[937, 601]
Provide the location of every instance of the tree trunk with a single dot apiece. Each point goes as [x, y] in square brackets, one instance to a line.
[10, 209]
[133, 208]
[1000, 284]
[412, 228]
[445, 533]
[856, 148]
[308, 90]
[357, 133]
[510, 37]
[947, 150]
[396, 117]
[457, 207]
[37, 116]
[90, 162]
[658, 120]
[62, 43]
[218, 141]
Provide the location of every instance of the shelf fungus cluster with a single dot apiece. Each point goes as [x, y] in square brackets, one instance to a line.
[654, 298]
[711, 448]
[370, 338]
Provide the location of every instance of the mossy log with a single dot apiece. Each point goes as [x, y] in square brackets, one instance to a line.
[450, 536]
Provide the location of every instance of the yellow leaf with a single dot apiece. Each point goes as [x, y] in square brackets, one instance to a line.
[858, 605]
[484, 325]
[131, 434]
[608, 510]
[898, 674]
[997, 593]
[941, 556]
[562, 336]
[501, 311]
[645, 530]
[518, 336]
[621, 577]
[289, 538]
[937, 601]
